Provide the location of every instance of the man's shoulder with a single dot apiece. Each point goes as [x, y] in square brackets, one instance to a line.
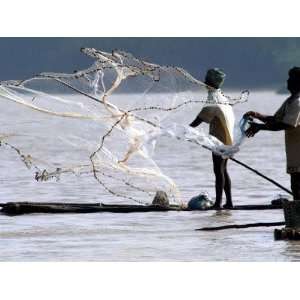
[209, 106]
[290, 112]
[293, 99]
[292, 102]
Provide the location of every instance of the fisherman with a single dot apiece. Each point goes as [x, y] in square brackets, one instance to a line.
[286, 118]
[219, 114]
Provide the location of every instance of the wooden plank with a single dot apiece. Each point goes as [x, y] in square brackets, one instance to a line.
[17, 208]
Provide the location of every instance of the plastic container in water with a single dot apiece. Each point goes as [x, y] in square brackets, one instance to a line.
[200, 202]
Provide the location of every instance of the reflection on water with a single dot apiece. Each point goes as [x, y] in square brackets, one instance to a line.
[168, 236]
[291, 250]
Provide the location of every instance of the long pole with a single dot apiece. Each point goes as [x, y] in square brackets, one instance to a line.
[257, 173]
[237, 226]
[262, 175]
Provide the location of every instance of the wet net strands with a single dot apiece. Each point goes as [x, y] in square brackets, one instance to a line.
[121, 106]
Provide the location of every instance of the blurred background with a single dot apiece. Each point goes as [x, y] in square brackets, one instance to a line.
[249, 62]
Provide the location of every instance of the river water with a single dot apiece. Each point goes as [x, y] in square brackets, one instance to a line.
[160, 236]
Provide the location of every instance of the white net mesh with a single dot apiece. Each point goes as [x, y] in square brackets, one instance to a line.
[104, 122]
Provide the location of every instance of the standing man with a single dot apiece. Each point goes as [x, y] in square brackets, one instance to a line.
[218, 113]
[286, 118]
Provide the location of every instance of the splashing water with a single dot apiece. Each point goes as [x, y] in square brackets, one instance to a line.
[105, 121]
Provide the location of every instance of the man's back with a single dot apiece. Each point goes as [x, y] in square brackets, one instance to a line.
[289, 114]
[221, 120]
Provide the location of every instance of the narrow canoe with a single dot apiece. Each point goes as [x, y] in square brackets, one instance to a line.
[19, 208]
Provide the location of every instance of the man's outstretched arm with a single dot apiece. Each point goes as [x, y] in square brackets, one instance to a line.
[258, 116]
[196, 122]
[271, 125]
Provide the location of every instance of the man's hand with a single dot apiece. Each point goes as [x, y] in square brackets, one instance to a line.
[251, 114]
[253, 129]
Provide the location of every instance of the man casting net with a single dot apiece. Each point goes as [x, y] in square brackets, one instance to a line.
[105, 122]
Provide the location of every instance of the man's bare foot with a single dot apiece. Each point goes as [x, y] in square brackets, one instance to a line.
[228, 206]
[216, 207]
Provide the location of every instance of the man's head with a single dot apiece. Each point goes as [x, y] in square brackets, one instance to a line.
[215, 78]
[293, 82]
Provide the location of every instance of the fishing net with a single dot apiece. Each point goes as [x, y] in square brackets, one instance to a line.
[105, 122]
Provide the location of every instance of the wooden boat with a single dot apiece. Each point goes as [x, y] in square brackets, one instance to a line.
[19, 208]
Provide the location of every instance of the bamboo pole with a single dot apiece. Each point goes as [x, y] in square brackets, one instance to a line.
[262, 175]
[238, 226]
[256, 172]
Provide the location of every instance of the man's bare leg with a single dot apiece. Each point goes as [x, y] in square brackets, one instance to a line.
[220, 179]
[227, 188]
